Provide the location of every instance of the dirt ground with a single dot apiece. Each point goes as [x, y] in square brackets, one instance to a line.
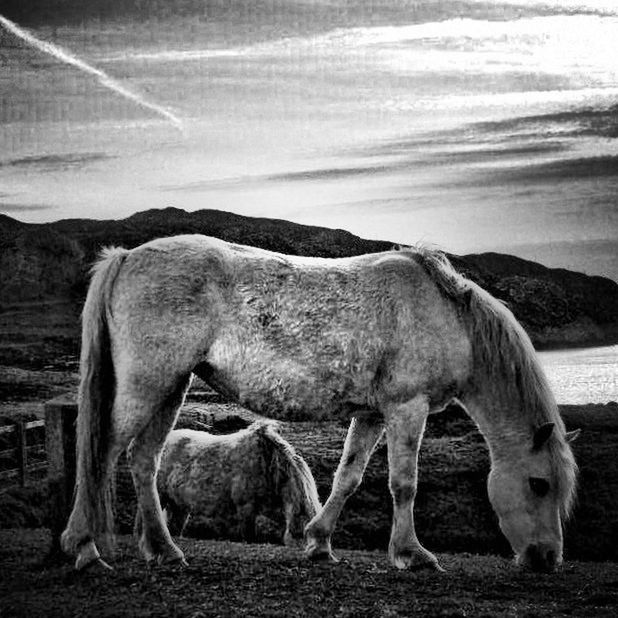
[234, 579]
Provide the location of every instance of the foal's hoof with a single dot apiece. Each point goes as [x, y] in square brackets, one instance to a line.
[89, 558]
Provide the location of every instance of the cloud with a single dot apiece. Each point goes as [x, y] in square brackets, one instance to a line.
[587, 122]
[55, 162]
[566, 169]
[104, 79]
[8, 208]
[333, 173]
[327, 173]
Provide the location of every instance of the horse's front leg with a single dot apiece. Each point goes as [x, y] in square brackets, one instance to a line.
[362, 437]
[144, 453]
[405, 424]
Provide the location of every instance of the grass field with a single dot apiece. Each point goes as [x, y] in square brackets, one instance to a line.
[233, 579]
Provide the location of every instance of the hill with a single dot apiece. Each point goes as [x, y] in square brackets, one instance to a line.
[50, 261]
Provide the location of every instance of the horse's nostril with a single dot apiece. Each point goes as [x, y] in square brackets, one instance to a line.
[540, 560]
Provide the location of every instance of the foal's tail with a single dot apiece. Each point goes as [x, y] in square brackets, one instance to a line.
[92, 514]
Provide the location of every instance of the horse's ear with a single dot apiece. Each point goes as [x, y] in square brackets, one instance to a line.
[571, 436]
[542, 435]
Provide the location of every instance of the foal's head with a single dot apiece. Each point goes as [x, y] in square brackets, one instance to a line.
[300, 504]
[292, 486]
[531, 491]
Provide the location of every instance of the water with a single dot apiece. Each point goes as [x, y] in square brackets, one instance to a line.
[587, 375]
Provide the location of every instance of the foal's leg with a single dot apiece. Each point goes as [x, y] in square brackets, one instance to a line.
[362, 437]
[405, 424]
[145, 455]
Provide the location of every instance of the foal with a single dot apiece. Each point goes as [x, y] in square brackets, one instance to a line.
[234, 478]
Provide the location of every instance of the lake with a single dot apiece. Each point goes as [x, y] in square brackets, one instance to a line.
[586, 375]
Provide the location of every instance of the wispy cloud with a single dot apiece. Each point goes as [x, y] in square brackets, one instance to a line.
[104, 79]
[326, 173]
[566, 169]
[9, 208]
[333, 173]
[583, 122]
[54, 162]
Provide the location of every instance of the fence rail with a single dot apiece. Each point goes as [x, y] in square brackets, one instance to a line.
[22, 452]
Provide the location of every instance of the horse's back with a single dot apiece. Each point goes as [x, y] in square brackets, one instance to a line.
[293, 337]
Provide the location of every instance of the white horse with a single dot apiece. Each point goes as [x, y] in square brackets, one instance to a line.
[385, 339]
[235, 478]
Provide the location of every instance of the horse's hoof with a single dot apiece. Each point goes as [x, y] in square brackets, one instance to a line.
[423, 566]
[89, 557]
[413, 561]
[179, 562]
[325, 557]
[321, 555]
[418, 566]
[97, 563]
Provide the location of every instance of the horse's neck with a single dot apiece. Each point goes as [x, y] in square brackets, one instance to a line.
[501, 420]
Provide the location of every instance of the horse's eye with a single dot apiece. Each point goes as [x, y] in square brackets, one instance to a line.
[540, 487]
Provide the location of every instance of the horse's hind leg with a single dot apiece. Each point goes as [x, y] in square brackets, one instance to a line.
[144, 453]
[362, 437]
[79, 534]
[405, 424]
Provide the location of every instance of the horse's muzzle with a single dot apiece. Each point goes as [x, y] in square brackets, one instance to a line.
[540, 558]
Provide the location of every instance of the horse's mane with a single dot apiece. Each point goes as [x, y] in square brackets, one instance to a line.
[288, 464]
[503, 351]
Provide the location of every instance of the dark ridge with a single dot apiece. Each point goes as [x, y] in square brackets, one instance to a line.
[9, 224]
[557, 307]
[545, 298]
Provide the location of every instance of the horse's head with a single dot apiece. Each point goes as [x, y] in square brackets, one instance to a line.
[531, 491]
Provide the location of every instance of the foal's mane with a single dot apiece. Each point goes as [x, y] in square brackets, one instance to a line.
[503, 351]
[287, 464]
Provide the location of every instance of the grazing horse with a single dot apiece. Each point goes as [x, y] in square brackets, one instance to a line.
[384, 339]
[235, 477]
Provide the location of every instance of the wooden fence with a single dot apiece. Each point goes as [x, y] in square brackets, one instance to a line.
[22, 453]
[59, 426]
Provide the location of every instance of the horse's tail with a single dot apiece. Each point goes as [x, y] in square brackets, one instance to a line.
[288, 464]
[96, 397]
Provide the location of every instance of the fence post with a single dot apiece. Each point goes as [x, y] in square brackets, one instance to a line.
[60, 416]
[21, 448]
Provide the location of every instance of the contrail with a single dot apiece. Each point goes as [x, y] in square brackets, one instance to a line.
[103, 78]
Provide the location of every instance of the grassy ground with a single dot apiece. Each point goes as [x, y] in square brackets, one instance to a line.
[229, 579]
[233, 579]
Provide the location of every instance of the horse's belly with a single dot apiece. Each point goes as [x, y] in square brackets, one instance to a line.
[307, 387]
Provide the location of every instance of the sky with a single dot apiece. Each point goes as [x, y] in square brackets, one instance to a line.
[473, 126]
